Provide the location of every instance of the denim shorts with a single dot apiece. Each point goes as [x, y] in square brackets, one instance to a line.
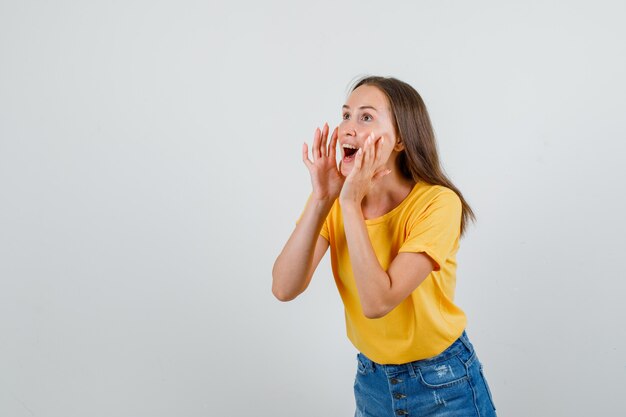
[449, 384]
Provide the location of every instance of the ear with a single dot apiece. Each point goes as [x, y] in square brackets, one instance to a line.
[399, 146]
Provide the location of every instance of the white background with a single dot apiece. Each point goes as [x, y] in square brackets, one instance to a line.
[150, 173]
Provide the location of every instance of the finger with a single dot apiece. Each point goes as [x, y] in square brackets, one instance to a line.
[332, 151]
[305, 155]
[340, 168]
[379, 151]
[316, 145]
[369, 150]
[358, 160]
[387, 148]
[381, 174]
[323, 147]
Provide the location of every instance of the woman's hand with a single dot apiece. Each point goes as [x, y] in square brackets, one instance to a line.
[369, 167]
[326, 178]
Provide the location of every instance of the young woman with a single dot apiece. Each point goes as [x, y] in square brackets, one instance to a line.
[393, 221]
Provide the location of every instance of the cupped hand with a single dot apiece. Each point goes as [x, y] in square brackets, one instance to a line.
[369, 167]
[326, 177]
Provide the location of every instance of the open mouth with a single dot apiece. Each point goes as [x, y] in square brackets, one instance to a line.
[349, 152]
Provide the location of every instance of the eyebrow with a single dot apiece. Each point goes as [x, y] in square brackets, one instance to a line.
[345, 106]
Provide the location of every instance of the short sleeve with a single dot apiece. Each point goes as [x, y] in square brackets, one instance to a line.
[324, 232]
[435, 230]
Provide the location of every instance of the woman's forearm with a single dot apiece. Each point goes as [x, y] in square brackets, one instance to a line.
[372, 281]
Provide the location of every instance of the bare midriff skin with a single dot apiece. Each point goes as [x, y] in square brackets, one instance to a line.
[368, 185]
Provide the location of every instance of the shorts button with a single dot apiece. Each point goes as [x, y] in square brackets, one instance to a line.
[402, 412]
[395, 381]
[398, 396]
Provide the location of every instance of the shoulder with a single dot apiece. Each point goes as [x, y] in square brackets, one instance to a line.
[445, 194]
[430, 202]
[426, 196]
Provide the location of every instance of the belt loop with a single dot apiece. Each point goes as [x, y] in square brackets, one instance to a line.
[371, 364]
[411, 369]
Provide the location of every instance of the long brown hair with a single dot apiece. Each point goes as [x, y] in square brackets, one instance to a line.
[420, 160]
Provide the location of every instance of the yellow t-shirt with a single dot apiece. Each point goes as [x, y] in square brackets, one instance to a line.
[427, 321]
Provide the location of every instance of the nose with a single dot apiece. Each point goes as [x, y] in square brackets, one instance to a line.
[347, 129]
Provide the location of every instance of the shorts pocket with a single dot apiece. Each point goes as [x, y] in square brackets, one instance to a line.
[443, 374]
[362, 368]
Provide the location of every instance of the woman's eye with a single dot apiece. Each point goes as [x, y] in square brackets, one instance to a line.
[346, 116]
[367, 117]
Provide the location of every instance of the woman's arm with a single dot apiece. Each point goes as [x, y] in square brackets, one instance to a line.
[380, 291]
[305, 248]
[302, 253]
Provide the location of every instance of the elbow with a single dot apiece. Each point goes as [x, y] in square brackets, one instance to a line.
[286, 284]
[374, 314]
[280, 292]
[282, 295]
[375, 311]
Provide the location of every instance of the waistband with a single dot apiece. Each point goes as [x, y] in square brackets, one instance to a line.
[460, 344]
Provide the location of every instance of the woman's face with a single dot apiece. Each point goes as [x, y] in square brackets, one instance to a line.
[367, 110]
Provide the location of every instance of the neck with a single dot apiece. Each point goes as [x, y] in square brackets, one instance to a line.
[388, 191]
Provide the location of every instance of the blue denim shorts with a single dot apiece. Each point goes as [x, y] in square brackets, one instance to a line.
[449, 384]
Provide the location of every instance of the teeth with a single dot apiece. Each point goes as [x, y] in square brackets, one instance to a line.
[345, 145]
